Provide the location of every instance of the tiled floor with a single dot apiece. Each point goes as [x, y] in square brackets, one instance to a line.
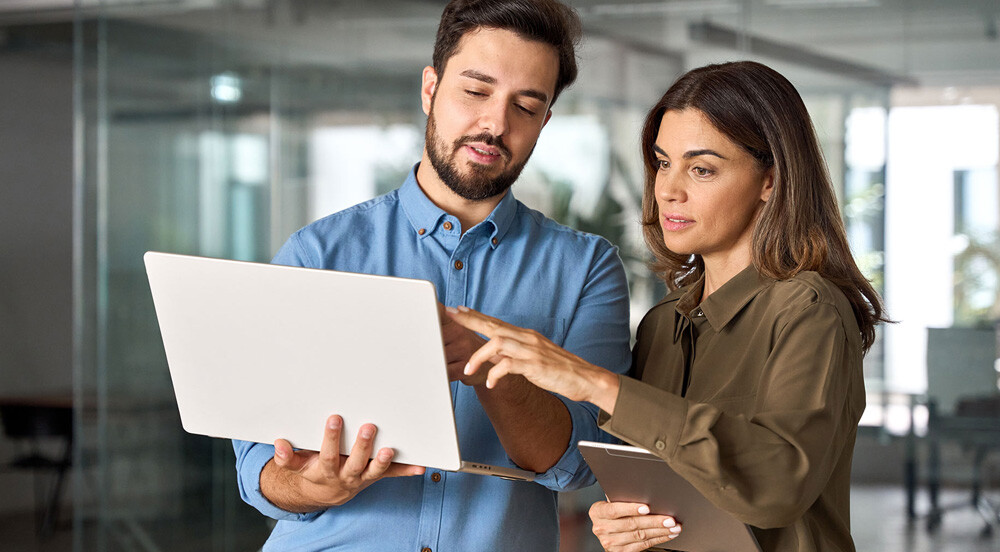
[878, 517]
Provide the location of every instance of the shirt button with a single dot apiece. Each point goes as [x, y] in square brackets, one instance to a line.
[435, 477]
[422, 231]
[495, 241]
[447, 226]
[660, 445]
[458, 265]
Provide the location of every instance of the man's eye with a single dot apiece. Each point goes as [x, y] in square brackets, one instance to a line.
[526, 110]
[474, 93]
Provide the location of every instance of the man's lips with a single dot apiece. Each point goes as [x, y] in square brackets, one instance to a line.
[482, 153]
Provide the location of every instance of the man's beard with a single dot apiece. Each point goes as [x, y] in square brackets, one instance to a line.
[477, 185]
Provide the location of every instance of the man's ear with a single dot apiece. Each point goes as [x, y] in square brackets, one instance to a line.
[765, 191]
[548, 116]
[427, 88]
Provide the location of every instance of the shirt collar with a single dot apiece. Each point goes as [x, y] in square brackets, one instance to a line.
[420, 210]
[424, 215]
[726, 302]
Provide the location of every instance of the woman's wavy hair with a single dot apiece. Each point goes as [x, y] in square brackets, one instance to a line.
[799, 228]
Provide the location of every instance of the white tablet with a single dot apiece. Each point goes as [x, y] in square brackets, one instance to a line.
[633, 474]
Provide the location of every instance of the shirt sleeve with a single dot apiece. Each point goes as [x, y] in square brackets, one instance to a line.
[769, 468]
[251, 457]
[250, 460]
[598, 333]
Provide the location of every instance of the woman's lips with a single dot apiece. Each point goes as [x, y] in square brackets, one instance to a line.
[674, 222]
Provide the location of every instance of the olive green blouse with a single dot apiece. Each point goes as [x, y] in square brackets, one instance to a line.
[754, 396]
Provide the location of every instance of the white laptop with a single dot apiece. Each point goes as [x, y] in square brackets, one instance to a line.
[259, 352]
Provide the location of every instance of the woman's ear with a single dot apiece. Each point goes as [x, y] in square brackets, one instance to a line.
[427, 87]
[768, 185]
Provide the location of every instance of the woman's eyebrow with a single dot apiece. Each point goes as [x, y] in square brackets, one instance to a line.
[697, 153]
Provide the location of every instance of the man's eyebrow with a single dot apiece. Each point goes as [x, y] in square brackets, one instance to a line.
[484, 78]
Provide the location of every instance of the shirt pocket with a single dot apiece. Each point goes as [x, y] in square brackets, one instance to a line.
[552, 328]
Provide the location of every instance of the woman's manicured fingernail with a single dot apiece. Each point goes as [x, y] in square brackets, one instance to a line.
[643, 509]
[675, 530]
[468, 369]
[463, 308]
[451, 309]
[669, 522]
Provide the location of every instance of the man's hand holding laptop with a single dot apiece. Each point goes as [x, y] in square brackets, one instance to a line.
[327, 478]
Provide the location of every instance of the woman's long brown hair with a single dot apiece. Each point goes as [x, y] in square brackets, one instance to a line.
[799, 228]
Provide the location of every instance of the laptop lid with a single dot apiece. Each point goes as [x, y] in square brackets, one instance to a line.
[633, 474]
[258, 352]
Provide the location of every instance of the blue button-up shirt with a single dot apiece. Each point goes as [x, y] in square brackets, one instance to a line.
[516, 265]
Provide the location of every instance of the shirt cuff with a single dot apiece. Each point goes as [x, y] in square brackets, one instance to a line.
[571, 471]
[251, 458]
[646, 417]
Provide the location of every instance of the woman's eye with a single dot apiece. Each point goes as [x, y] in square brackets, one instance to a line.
[662, 165]
[702, 171]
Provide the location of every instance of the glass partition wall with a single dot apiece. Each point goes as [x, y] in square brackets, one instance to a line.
[218, 128]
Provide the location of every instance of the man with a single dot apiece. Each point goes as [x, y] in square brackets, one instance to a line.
[498, 66]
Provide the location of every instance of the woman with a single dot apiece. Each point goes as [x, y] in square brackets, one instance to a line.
[748, 375]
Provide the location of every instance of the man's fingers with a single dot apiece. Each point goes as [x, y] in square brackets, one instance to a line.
[286, 458]
[403, 470]
[378, 465]
[360, 452]
[329, 452]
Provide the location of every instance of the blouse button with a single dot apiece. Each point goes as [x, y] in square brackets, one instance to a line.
[447, 225]
[660, 445]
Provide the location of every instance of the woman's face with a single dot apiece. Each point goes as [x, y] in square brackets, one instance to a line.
[708, 189]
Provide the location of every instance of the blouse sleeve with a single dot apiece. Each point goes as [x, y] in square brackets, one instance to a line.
[769, 468]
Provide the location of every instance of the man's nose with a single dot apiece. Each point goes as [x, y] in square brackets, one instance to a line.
[493, 118]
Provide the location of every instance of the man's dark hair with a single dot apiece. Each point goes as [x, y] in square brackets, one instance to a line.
[546, 21]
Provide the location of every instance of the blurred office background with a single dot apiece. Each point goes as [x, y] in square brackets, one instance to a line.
[218, 127]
